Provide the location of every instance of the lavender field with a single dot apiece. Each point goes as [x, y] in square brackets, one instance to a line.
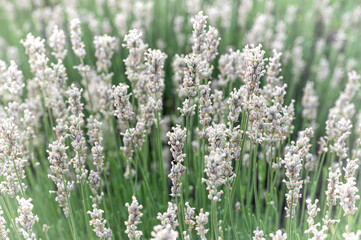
[192, 119]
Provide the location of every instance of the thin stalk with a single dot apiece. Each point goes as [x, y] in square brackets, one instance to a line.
[160, 156]
[337, 224]
[85, 205]
[188, 156]
[19, 180]
[239, 161]
[230, 213]
[214, 219]
[85, 202]
[350, 221]
[71, 222]
[315, 180]
[146, 183]
[180, 213]
[302, 221]
[289, 231]
[7, 212]
[87, 88]
[255, 189]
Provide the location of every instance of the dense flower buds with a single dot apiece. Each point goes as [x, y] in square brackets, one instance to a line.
[176, 141]
[26, 219]
[75, 38]
[202, 221]
[254, 66]
[123, 107]
[133, 219]
[104, 50]
[57, 42]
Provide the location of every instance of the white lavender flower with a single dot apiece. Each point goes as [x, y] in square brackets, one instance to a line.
[164, 233]
[147, 113]
[169, 217]
[104, 50]
[188, 108]
[134, 64]
[202, 221]
[309, 102]
[123, 107]
[343, 106]
[328, 221]
[273, 79]
[311, 162]
[205, 108]
[216, 135]
[338, 131]
[176, 141]
[258, 234]
[218, 106]
[312, 211]
[257, 108]
[351, 168]
[26, 219]
[218, 169]
[230, 66]
[34, 47]
[3, 230]
[76, 132]
[235, 138]
[199, 32]
[293, 164]
[99, 223]
[333, 183]
[212, 40]
[132, 137]
[254, 58]
[94, 131]
[348, 196]
[12, 159]
[189, 217]
[154, 60]
[194, 66]
[236, 102]
[95, 139]
[350, 235]
[59, 167]
[57, 42]
[278, 235]
[14, 81]
[75, 38]
[178, 66]
[134, 211]
[38, 61]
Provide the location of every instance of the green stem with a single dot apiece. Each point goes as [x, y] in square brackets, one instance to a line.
[161, 164]
[230, 213]
[7, 212]
[289, 232]
[72, 222]
[214, 219]
[180, 213]
[255, 189]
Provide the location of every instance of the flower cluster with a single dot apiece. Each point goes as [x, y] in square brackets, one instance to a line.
[104, 50]
[176, 141]
[293, 164]
[134, 211]
[26, 219]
